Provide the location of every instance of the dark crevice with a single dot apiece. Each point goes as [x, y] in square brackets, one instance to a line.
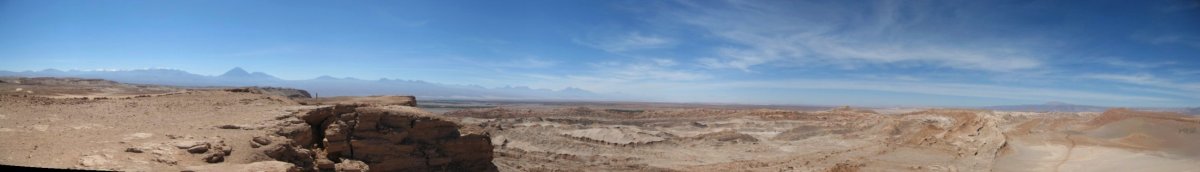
[318, 132]
[423, 155]
[350, 134]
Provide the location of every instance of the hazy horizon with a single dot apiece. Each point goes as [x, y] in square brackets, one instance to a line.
[881, 53]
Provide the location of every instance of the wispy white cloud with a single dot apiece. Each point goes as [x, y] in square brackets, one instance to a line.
[766, 33]
[1176, 6]
[263, 52]
[389, 16]
[528, 63]
[653, 69]
[1117, 62]
[627, 42]
[1185, 72]
[660, 89]
[621, 76]
[515, 63]
[1168, 39]
[918, 41]
[948, 89]
[1188, 89]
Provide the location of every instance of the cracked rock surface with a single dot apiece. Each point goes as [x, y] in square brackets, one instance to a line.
[378, 138]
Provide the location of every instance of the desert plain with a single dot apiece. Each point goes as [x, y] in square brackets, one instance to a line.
[90, 124]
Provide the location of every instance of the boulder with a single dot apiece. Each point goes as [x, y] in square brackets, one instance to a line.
[351, 166]
[259, 141]
[380, 138]
[288, 153]
[275, 166]
[300, 133]
[200, 148]
[93, 161]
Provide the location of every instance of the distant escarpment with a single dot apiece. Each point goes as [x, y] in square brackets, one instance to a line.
[279, 91]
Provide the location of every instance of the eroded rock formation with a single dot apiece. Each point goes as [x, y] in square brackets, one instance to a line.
[376, 138]
[279, 91]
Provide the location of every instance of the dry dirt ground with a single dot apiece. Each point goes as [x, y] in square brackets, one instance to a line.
[50, 123]
[76, 125]
[100, 125]
[570, 139]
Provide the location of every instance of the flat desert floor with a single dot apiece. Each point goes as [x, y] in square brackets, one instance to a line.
[95, 124]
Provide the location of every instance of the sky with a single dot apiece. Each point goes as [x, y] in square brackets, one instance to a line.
[874, 53]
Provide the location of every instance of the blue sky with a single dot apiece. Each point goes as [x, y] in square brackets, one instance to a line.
[881, 53]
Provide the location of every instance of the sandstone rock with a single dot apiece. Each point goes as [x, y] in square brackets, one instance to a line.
[351, 166]
[235, 127]
[438, 161]
[199, 148]
[166, 160]
[396, 121]
[220, 150]
[93, 161]
[134, 150]
[470, 151]
[288, 153]
[185, 144]
[41, 127]
[378, 150]
[215, 157]
[387, 138]
[395, 137]
[399, 164]
[430, 131]
[261, 140]
[273, 166]
[325, 164]
[336, 132]
[139, 136]
[301, 134]
[363, 101]
[318, 116]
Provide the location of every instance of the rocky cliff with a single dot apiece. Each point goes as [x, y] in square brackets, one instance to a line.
[376, 138]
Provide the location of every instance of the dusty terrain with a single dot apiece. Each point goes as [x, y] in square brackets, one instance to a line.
[99, 125]
[95, 124]
[841, 139]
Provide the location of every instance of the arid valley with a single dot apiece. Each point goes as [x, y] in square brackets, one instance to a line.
[93, 124]
[608, 85]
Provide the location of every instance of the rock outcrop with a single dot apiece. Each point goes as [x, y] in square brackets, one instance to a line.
[285, 92]
[376, 138]
[251, 167]
[972, 137]
[410, 101]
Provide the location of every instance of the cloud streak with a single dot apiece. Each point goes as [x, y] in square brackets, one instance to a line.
[659, 90]
[1190, 89]
[767, 33]
[947, 89]
[653, 69]
[627, 42]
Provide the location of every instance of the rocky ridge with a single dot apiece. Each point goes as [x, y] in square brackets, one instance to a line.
[375, 138]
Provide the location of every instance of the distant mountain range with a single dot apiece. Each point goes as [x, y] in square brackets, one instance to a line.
[322, 86]
[1049, 107]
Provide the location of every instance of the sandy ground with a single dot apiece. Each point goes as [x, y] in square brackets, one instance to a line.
[697, 139]
[87, 124]
[58, 133]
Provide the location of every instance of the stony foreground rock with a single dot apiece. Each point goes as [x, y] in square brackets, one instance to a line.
[376, 138]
